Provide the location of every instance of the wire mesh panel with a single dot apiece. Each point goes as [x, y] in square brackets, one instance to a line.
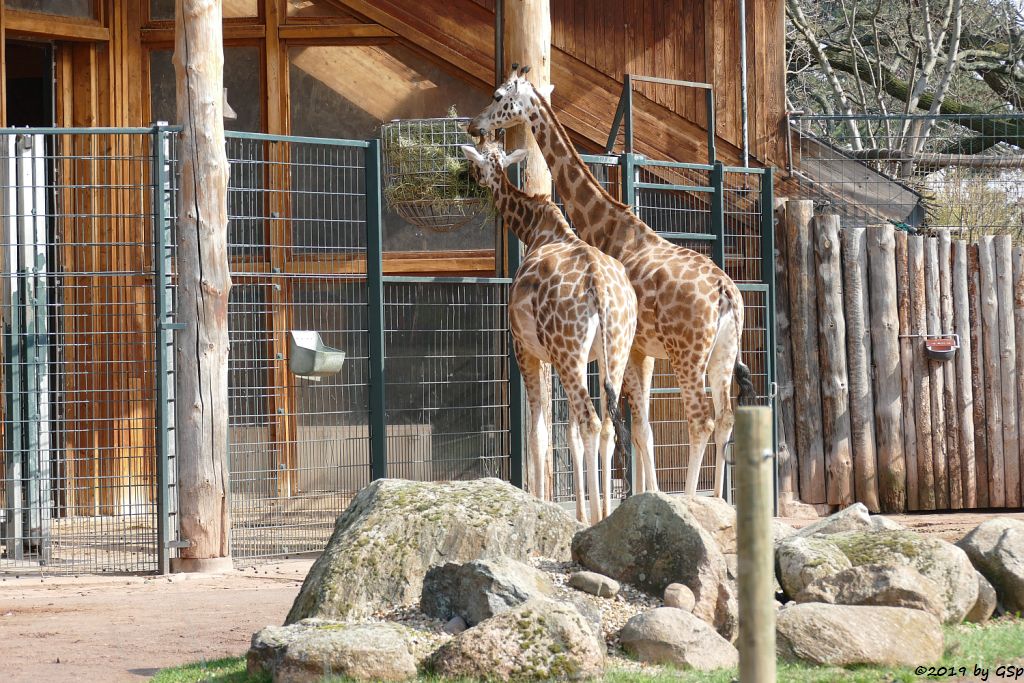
[78, 484]
[298, 443]
[446, 363]
[961, 172]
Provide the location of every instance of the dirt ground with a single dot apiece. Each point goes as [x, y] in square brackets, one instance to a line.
[111, 629]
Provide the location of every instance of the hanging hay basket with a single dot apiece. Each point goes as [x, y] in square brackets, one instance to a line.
[426, 176]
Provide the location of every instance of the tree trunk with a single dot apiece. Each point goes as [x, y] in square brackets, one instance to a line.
[977, 375]
[993, 376]
[965, 392]
[922, 380]
[935, 371]
[528, 43]
[953, 470]
[903, 297]
[1008, 368]
[885, 348]
[788, 486]
[204, 282]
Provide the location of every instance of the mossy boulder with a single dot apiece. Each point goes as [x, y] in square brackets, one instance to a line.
[396, 530]
[480, 589]
[539, 640]
[996, 547]
[801, 560]
[652, 540]
[306, 651]
[872, 584]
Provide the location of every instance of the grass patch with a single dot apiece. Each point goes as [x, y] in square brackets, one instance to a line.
[967, 645]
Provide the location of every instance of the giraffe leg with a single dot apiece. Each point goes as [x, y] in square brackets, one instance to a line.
[611, 371]
[584, 428]
[533, 373]
[636, 385]
[697, 408]
[720, 371]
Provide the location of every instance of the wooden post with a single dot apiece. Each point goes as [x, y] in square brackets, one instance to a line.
[936, 376]
[885, 349]
[992, 374]
[806, 370]
[964, 394]
[204, 282]
[756, 555]
[1008, 368]
[788, 487]
[527, 42]
[858, 342]
[903, 298]
[949, 407]
[978, 375]
[922, 380]
[835, 397]
[1018, 313]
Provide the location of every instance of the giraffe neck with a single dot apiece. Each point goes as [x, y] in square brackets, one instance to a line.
[599, 219]
[533, 219]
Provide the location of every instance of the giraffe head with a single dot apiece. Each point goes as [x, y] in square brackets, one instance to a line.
[515, 101]
[487, 161]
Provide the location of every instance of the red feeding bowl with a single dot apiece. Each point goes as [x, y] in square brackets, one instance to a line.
[941, 348]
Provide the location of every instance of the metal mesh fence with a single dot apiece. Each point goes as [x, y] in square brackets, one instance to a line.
[78, 483]
[958, 172]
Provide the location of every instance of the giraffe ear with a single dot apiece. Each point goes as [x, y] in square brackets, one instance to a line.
[545, 91]
[472, 154]
[516, 157]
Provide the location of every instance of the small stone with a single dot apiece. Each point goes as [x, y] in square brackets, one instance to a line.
[595, 584]
[679, 596]
[455, 625]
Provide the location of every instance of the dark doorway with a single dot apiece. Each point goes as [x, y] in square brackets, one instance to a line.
[29, 84]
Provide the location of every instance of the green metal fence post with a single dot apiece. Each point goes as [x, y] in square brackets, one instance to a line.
[627, 171]
[718, 214]
[768, 277]
[516, 399]
[710, 107]
[164, 342]
[375, 317]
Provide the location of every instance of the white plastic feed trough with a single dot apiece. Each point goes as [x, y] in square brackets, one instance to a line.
[309, 357]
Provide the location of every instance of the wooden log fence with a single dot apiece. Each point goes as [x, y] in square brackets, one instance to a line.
[874, 408]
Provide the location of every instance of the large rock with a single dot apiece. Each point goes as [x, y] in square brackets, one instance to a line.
[996, 547]
[480, 589]
[853, 518]
[801, 560]
[306, 651]
[717, 517]
[871, 584]
[781, 531]
[844, 635]
[538, 640]
[986, 603]
[395, 530]
[667, 635]
[652, 540]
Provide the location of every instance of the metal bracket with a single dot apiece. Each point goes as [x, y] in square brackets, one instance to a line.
[178, 544]
[171, 326]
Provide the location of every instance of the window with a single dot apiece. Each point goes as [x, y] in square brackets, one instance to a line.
[164, 9]
[67, 8]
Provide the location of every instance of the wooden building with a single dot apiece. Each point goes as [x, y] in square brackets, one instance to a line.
[338, 69]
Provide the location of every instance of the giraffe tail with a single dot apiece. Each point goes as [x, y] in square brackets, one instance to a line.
[748, 395]
[611, 396]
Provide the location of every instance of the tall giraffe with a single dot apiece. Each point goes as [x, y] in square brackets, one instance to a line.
[569, 304]
[690, 311]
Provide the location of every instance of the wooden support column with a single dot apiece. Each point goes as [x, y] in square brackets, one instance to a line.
[964, 360]
[937, 376]
[992, 375]
[1008, 369]
[922, 380]
[204, 283]
[885, 329]
[903, 297]
[835, 396]
[789, 491]
[949, 394]
[528, 43]
[978, 375]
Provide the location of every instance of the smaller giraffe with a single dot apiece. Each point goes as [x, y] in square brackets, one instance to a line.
[569, 304]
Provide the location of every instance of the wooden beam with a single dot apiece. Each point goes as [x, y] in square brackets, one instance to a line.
[317, 32]
[164, 35]
[204, 285]
[22, 24]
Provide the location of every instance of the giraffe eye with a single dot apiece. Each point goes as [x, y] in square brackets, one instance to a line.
[497, 97]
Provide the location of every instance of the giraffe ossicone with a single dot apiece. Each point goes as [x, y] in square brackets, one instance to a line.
[568, 304]
[690, 312]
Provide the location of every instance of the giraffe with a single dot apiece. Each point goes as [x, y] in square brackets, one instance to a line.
[568, 304]
[690, 311]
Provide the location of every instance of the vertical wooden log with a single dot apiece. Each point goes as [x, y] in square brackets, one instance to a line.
[787, 458]
[885, 349]
[956, 497]
[903, 298]
[993, 375]
[835, 406]
[922, 380]
[756, 553]
[204, 282]
[1018, 318]
[978, 376]
[528, 43]
[964, 358]
[1008, 367]
[858, 344]
[935, 372]
[806, 369]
